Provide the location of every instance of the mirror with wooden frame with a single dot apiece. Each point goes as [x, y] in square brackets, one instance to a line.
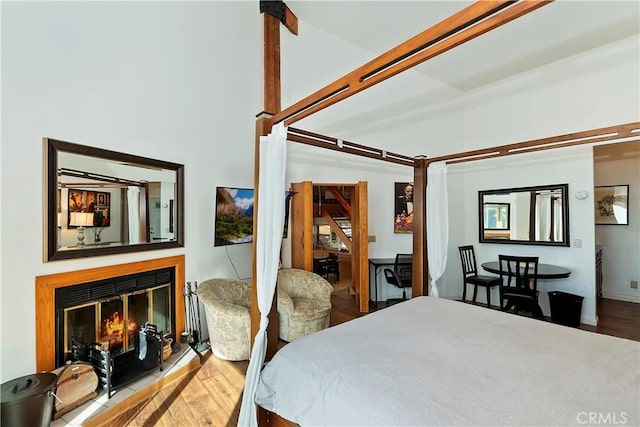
[102, 202]
[527, 216]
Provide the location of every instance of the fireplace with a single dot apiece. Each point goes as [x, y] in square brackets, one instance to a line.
[107, 306]
[111, 312]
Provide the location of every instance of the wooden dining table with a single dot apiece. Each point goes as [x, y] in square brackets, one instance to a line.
[545, 271]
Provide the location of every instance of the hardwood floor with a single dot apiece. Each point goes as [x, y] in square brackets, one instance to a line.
[617, 318]
[211, 395]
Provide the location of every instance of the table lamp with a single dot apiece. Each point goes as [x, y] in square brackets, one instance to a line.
[81, 220]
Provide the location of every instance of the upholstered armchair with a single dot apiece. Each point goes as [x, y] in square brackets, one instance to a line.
[304, 303]
[227, 305]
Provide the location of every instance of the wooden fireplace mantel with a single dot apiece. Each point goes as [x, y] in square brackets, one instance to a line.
[45, 292]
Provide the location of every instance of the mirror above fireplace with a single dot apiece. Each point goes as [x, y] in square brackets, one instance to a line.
[102, 202]
[526, 216]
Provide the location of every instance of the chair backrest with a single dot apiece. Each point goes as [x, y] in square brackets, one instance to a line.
[468, 259]
[299, 283]
[392, 278]
[403, 268]
[332, 263]
[230, 291]
[319, 265]
[519, 271]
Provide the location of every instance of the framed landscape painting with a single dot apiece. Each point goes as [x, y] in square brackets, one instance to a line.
[611, 205]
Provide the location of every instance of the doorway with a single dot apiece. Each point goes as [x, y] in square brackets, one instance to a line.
[331, 219]
[616, 166]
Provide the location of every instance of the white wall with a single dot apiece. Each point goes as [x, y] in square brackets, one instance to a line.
[571, 166]
[619, 164]
[175, 81]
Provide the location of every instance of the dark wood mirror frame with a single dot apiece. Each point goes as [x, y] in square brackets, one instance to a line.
[488, 235]
[52, 248]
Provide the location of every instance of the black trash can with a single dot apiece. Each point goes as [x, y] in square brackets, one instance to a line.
[28, 401]
[566, 308]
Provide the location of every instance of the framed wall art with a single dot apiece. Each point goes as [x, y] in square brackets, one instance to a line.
[611, 205]
[95, 203]
[403, 215]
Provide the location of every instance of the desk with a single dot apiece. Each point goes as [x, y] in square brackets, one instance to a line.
[376, 264]
[545, 271]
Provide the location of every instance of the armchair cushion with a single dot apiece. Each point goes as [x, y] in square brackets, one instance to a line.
[227, 305]
[304, 303]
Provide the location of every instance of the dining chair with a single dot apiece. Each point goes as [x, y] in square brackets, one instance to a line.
[519, 284]
[471, 276]
[333, 266]
[401, 276]
[326, 266]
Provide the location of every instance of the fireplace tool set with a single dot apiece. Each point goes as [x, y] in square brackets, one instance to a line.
[193, 324]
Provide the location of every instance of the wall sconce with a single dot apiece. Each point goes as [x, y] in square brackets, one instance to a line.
[81, 220]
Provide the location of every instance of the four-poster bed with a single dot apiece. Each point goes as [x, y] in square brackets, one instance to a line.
[466, 366]
[469, 23]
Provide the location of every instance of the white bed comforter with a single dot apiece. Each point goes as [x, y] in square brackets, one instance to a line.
[431, 361]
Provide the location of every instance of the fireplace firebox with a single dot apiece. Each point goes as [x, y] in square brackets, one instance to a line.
[118, 324]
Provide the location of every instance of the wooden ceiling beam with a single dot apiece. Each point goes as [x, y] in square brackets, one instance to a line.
[290, 21]
[624, 132]
[469, 23]
[343, 146]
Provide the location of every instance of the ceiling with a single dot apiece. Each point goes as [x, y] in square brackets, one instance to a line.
[392, 115]
[557, 30]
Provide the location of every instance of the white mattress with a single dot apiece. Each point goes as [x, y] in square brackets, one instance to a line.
[431, 361]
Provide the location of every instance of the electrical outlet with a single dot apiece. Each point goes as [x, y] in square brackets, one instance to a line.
[577, 243]
[372, 239]
[634, 284]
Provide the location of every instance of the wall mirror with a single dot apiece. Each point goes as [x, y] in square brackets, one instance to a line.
[102, 202]
[527, 216]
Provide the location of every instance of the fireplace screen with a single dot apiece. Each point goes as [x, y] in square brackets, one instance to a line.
[115, 322]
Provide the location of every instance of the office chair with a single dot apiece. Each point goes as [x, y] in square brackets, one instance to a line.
[400, 276]
[470, 275]
[519, 287]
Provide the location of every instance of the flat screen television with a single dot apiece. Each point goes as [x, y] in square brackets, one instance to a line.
[234, 216]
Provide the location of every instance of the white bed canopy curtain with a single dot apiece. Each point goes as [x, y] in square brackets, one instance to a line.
[437, 222]
[273, 161]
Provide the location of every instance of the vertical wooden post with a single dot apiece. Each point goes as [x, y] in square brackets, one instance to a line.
[271, 52]
[420, 275]
[302, 226]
